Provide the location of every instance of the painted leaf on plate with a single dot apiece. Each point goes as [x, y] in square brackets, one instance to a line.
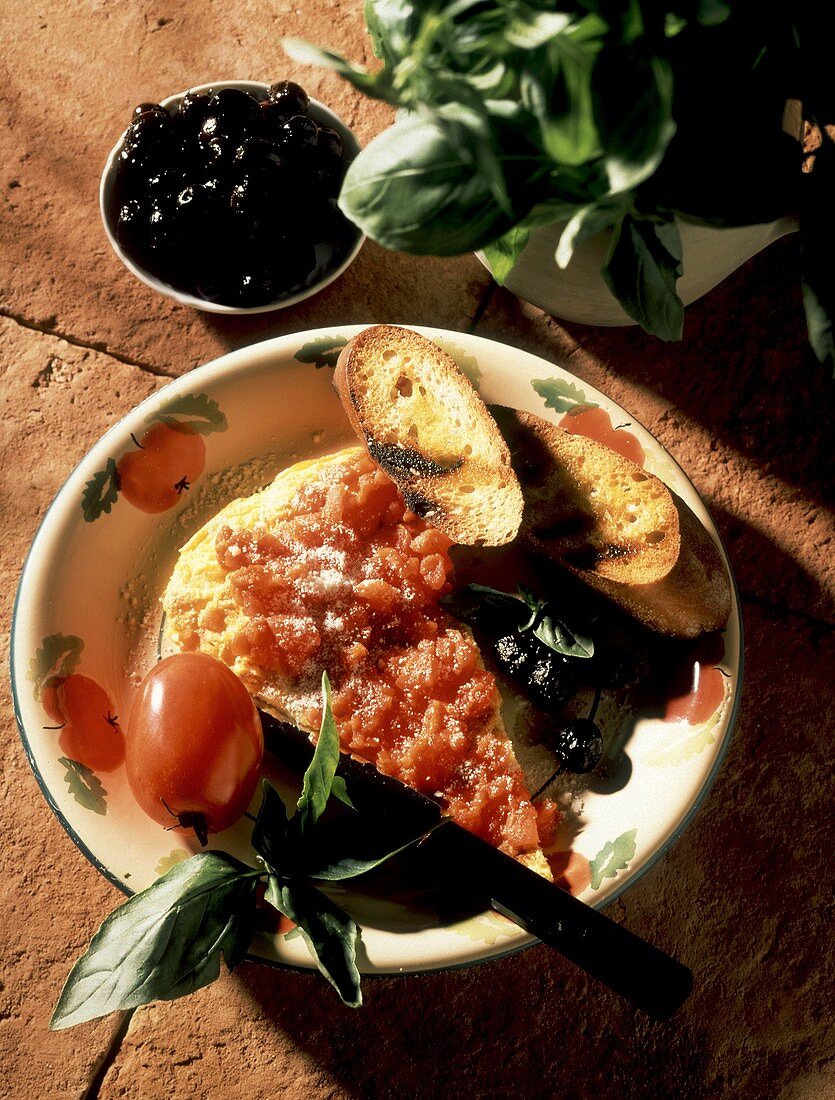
[101, 492]
[487, 928]
[84, 785]
[177, 855]
[560, 394]
[684, 743]
[322, 352]
[197, 411]
[56, 659]
[468, 364]
[614, 856]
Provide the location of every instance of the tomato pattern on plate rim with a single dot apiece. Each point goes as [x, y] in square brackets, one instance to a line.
[156, 469]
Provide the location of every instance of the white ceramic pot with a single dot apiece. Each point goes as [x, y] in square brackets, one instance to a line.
[579, 292]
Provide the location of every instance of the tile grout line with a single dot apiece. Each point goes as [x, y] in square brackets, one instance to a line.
[110, 1056]
[73, 341]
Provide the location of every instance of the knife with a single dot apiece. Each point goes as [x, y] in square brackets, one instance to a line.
[642, 974]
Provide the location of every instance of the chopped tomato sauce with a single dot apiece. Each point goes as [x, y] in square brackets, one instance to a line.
[351, 583]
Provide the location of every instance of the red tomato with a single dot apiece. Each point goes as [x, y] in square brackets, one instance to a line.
[194, 744]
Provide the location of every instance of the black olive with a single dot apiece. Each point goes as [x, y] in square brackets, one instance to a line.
[193, 109]
[144, 108]
[211, 129]
[130, 176]
[254, 154]
[329, 146]
[238, 114]
[336, 228]
[513, 653]
[274, 116]
[131, 229]
[579, 745]
[299, 132]
[150, 131]
[162, 180]
[552, 680]
[230, 198]
[289, 97]
[547, 678]
[198, 209]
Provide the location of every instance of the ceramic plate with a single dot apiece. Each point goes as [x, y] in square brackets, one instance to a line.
[88, 608]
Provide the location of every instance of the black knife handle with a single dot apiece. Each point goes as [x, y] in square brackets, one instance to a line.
[647, 977]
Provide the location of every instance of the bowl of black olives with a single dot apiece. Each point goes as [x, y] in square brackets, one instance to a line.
[224, 197]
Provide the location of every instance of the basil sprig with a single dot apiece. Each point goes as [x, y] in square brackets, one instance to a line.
[168, 940]
[479, 605]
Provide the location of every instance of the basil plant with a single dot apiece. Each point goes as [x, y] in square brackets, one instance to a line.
[627, 115]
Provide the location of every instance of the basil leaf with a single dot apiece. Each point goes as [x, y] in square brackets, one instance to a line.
[633, 100]
[552, 631]
[330, 934]
[819, 306]
[480, 605]
[392, 25]
[475, 602]
[339, 790]
[164, 942]
[529, 28]
[555, 86]
[270, 837]
[349, 847]
[710, 13]
[411, 189]
[641, 270]
[469, 132]
[492, 78]
[376, 85]
[587, 222]
[503, 253]
[318, 779]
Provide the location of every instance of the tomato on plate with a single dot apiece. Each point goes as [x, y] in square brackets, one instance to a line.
[194, 745]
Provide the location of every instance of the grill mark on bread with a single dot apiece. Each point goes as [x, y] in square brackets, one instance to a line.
[397, 458]
[419, 504]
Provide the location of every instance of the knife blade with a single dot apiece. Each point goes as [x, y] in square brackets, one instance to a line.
[641, 973]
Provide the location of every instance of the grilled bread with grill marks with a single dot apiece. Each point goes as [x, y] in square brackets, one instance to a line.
[424, 424]
[616, 527]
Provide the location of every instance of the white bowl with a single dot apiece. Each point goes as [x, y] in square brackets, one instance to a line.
[321, 114]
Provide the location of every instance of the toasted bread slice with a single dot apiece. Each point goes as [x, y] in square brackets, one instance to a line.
[617, 528]
[211, 608]
[424, 424]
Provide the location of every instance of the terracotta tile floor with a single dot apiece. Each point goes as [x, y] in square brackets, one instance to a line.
[744, 898]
